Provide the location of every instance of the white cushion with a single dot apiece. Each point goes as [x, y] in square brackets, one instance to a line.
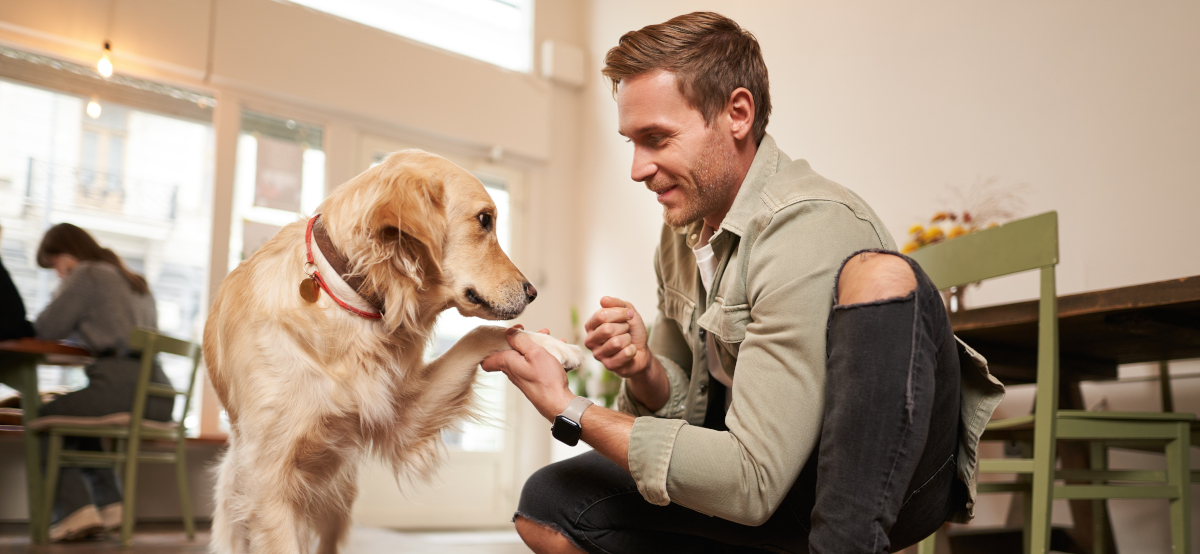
[118, 419]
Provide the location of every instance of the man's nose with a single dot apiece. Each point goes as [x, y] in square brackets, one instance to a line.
[644, 166]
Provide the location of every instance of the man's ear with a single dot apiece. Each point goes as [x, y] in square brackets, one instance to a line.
[740, 111]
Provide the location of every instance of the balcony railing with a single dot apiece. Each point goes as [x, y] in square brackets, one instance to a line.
[63, 187]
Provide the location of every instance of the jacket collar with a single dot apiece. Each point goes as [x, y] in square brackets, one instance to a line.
[746, 203]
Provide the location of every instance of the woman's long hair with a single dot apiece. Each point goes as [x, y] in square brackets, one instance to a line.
[65, 238]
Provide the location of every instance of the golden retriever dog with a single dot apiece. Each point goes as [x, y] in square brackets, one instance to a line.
[314, 346]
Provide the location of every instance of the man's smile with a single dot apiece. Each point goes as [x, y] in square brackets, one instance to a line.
[662, 191]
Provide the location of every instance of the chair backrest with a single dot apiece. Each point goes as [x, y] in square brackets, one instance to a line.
[151, 343]
[1021, 245]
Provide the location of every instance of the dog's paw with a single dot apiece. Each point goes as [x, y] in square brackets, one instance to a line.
[569, 355]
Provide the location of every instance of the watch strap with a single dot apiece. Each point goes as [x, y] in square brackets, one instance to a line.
[575, 409]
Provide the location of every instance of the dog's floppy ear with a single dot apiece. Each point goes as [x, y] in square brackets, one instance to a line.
[413, 213]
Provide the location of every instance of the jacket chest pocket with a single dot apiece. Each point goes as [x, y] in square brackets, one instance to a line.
[678, 307]
[728, 327]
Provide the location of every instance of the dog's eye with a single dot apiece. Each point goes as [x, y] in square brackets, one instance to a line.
[485, 221]
[390, 233]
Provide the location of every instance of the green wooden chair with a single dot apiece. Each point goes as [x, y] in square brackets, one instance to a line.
[1025, 245]
[129, 429]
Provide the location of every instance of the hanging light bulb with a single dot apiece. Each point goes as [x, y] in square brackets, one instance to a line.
[104, 66]
[93, 108]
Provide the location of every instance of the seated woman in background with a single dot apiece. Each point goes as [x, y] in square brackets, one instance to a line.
[98, 302]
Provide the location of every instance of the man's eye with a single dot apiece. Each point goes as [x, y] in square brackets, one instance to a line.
[485, 221]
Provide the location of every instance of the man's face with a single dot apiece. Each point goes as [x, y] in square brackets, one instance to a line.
[686, 163]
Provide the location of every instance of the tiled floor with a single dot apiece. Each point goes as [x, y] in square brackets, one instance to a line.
[363, 540]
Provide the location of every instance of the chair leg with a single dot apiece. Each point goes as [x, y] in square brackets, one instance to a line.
[929, 545]
[131, 464]
[1178, 476]
[1042, 499]
[1098, 452]
[1027, 527]
[54, 452]
[1025, 497]
[185, 501]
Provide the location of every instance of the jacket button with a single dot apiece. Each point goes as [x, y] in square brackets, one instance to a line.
[704, 387]
[703, 334]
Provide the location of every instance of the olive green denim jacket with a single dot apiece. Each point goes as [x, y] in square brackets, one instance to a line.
[779, 249]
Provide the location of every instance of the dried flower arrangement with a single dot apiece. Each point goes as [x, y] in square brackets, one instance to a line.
[984, 204]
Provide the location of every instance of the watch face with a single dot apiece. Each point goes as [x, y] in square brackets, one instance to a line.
[566, 431]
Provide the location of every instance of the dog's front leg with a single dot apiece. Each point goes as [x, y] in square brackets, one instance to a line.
[485, 340]
[469, 351]
[448, 379]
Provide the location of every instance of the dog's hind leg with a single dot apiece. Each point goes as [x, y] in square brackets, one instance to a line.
[228, 527]
[278, 527]
[333, 521]
[277, 494]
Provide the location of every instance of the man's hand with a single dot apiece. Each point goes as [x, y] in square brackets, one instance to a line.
[534, 371]
[616, 335]
[541, 379]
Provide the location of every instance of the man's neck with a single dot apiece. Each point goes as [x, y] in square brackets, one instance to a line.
[745, 151]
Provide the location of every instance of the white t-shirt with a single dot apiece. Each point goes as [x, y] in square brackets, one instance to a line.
[707, 262]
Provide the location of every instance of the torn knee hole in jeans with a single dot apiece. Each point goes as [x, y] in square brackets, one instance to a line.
[858, 273]
[547, 525]
[895, 299]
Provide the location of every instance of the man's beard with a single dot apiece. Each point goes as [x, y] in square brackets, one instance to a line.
[714, 177]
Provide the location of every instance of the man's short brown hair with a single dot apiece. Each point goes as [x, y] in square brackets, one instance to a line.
[709, 54]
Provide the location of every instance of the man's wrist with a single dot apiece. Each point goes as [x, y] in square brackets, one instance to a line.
[651, 387]
[558, 404]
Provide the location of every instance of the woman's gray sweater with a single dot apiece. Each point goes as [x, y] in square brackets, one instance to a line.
[96, 305]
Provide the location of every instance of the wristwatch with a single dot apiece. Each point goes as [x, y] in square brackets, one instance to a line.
[566, 426]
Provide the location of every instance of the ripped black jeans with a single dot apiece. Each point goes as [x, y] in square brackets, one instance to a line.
[883, 476]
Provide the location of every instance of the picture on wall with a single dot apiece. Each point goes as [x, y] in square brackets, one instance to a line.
[277, 180]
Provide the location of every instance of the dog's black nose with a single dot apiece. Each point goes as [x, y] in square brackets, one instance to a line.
[530, 292]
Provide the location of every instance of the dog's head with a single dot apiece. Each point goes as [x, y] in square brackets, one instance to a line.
[422, 232]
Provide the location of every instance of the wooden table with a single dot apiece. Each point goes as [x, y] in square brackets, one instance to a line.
[18, 369]
[1098, 330]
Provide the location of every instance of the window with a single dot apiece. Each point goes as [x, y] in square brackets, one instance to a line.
[280, 176]
[137, 179]
[495, 31]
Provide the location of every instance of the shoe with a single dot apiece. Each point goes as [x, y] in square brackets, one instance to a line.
[81, 523]
[110, 516]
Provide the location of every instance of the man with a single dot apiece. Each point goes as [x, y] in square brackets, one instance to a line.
[752, 417]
